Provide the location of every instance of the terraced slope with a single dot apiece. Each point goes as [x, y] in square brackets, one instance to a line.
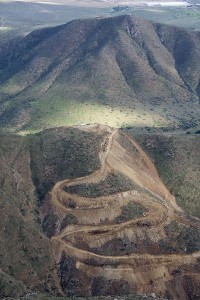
[102, 250]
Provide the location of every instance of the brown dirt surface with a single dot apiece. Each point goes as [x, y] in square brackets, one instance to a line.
[138, 239]
[157, 251]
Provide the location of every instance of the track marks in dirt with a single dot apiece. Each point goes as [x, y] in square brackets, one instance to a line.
[95, 221]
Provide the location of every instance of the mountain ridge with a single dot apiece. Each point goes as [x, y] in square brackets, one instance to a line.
[121, 62]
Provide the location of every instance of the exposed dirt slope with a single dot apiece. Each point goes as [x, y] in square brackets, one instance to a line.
[176, 157]
[100, 250]
[112, 227]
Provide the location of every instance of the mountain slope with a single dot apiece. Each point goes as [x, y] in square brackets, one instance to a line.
[122, 65]
[30, 166]
[118, 230]
[86, 205]
[26, 259]
[176, 158]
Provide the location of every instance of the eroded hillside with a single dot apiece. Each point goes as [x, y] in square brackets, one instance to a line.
[177, 160]
[84, 212]
[118, 230]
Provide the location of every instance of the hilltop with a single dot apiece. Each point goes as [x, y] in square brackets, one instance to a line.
[120, 71]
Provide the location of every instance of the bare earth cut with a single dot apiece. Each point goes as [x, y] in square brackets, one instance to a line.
[122, 240]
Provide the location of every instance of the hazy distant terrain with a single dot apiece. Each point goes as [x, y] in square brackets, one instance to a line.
[105, 3]
[23, 17]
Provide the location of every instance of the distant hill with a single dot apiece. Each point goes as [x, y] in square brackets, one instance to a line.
[121, 71]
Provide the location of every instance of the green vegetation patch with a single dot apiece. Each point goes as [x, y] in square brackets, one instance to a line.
[57, 109]
[181, 239]
[118, 247]
[113, 183]
[176, 157]
[187, 17]
[58, 154]
[130, 211]
[126, 143]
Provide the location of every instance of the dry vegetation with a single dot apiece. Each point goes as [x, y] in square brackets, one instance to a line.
[120, 71]
[30, 166]
[105, 237]
[176, 157]
[113, 225]
[34, 165]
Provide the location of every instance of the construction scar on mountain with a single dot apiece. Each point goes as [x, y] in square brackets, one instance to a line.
[114, 231]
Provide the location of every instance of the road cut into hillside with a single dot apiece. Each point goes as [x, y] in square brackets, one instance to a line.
[120, 231]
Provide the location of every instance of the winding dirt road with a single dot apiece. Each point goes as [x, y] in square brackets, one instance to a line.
[93, 238]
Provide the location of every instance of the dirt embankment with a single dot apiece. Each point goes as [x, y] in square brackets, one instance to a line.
[151, 250]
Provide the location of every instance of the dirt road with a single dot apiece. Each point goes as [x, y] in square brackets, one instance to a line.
[93, 239]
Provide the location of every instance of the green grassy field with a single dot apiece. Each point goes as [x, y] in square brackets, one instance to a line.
[59, 111]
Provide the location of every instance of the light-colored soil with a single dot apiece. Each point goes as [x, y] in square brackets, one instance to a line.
[95, 226]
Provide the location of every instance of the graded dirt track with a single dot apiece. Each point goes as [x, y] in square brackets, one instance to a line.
[127, 255]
